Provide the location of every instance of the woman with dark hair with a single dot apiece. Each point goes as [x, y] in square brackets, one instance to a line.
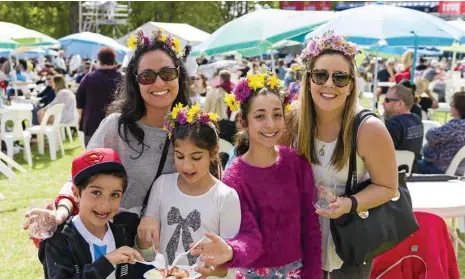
[155, 80]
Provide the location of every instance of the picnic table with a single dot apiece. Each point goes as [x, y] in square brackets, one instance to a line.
[443, 198]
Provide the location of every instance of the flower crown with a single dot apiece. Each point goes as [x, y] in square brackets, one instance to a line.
[243, 89]
[188, 116]
[329, 40]
[140, 40]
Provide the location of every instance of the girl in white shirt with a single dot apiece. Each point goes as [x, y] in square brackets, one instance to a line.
[192, 202]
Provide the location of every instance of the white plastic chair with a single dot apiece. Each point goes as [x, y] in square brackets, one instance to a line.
[454, 164]
[65, 129]
[7, 171]
[428, 124]
[451, 170]
[405, 158]
[225, 146]
[17, 117]
[424, 115]
[51, 131]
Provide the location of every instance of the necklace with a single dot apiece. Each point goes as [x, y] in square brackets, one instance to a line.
[322, 150]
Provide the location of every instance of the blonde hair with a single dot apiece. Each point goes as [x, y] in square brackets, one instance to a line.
[407, 58]
[422, 85]
[59, 83]
[307, 122]
[214, 102]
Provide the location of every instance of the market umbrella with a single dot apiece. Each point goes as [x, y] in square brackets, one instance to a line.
[28, 53]
[24, 37]
[88, 44]
[380, 25]
[398, 51]
[7, 43]
[256, 32]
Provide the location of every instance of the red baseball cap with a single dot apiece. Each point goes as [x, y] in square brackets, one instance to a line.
[94, 161]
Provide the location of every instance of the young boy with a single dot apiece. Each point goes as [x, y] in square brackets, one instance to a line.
[88, 245]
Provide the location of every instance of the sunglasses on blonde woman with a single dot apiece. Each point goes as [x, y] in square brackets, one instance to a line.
[147, 77]
[340, 79]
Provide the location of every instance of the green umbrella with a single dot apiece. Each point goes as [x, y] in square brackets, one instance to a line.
[23, 36]
[256, 32]
[6, 42]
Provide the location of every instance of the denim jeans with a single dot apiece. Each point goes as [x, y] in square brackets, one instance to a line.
[425, 167]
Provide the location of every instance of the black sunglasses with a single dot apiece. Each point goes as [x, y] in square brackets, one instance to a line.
[388, 100]
[340, 79]
[147, 77]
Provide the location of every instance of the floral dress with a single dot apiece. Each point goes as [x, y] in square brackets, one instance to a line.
[289, 271]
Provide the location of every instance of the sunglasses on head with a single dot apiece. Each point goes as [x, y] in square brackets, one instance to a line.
[388, 100]
[147, 77]
[340, 79]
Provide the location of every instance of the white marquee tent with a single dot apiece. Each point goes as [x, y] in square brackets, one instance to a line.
[187, 34]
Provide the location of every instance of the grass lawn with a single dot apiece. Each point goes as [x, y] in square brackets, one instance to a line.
[18, 254]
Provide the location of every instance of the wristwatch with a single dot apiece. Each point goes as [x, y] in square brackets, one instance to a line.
[353, 208]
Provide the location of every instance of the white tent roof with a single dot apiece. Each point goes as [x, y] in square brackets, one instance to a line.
[186, 33]
[459, 23]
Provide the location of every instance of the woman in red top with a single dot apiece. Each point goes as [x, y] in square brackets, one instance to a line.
[407, 60]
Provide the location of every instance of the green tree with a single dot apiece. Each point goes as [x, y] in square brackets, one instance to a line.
[60, 18]
[51, 18]
[207, 16]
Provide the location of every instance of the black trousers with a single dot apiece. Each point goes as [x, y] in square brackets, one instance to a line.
[350, 272]
[86, 140]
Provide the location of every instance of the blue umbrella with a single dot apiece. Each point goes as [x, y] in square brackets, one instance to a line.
[372, 24]
[88, 44]
[30, 53]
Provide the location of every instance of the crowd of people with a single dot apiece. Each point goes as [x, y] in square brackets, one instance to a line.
[153, 153]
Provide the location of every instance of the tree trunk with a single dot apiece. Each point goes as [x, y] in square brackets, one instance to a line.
[74, 16]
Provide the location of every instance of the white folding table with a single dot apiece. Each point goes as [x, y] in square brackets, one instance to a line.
[445, 199]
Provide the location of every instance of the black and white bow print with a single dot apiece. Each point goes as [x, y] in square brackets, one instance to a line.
[192, 221]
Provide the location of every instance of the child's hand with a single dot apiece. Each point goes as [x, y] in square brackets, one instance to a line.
[123, 255]
[215, 252]
[148, 232]
[207, 271]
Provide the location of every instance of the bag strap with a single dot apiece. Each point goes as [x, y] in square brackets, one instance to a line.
[161, 164]
[352, 173]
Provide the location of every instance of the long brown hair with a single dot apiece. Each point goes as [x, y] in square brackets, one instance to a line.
[307, 124]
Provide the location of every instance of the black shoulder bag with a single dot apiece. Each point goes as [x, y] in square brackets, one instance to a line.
[358, 239]
[130, 221]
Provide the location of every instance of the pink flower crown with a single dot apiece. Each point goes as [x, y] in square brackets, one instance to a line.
[244, 88]
[329, 40]
[188, 116]
[140, 40]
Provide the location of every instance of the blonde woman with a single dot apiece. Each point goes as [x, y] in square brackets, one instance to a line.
[62, 96]
[425, 98]
[322, 123]
[407, 61]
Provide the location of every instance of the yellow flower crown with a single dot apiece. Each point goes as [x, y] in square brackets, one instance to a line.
[188, 116]
[244, 88]
[140, 40]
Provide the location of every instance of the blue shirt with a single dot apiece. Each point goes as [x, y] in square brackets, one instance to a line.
[20, 76]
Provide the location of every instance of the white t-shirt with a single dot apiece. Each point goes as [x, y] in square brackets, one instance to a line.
[185, 219]
[98, 247]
